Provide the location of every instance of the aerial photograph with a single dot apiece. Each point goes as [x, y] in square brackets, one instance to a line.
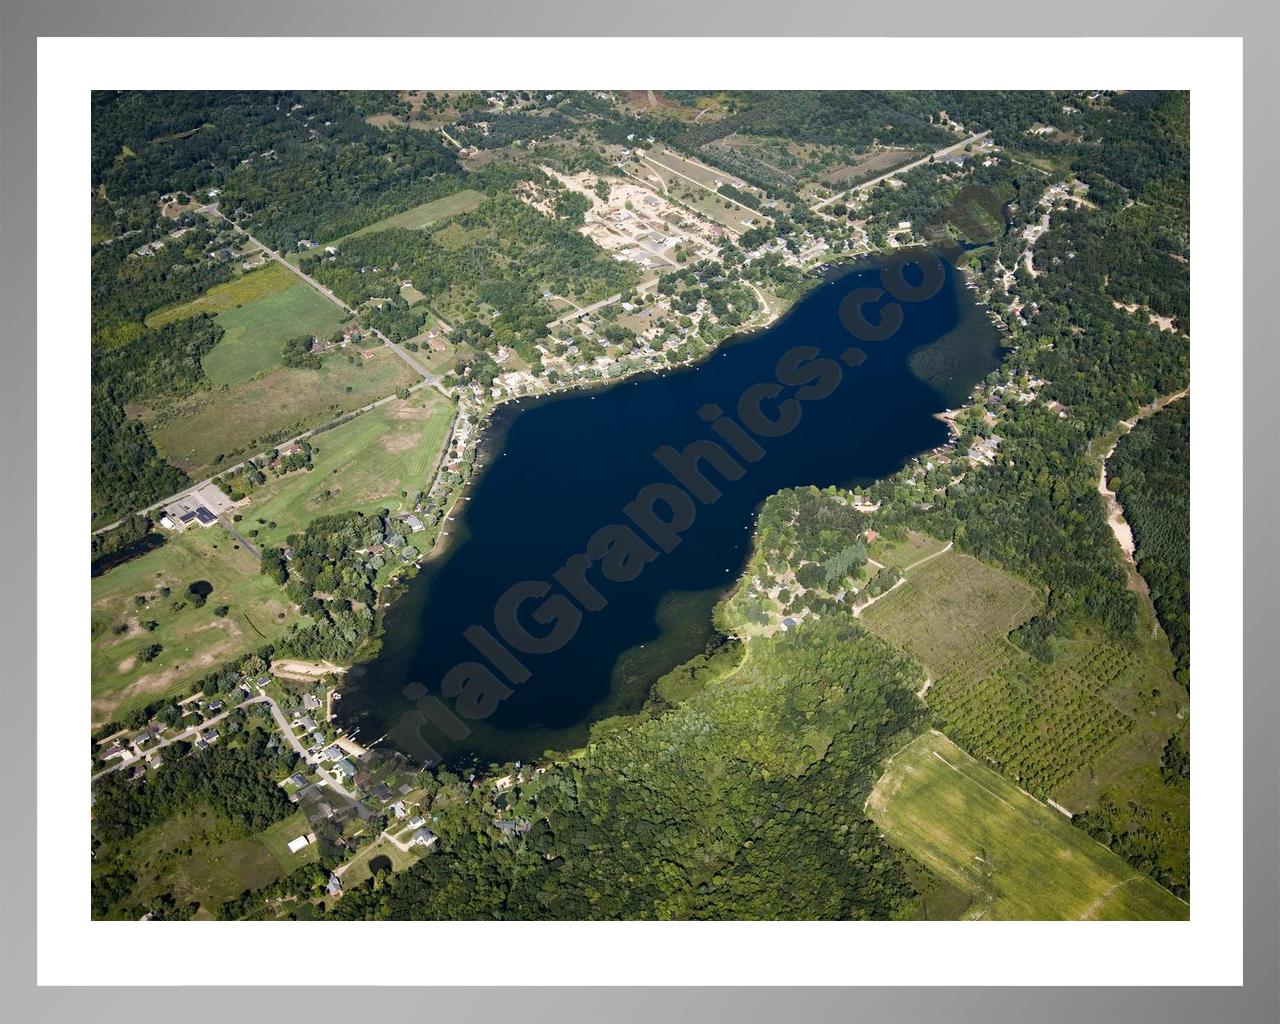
[535, 505]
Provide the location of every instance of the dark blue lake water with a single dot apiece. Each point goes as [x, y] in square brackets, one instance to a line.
[555, 470]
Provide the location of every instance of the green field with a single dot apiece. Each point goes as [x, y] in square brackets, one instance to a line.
[246, 417]
[228, 295]
[220, 865]
[255, 334]
[361, 465]
[1017, 858]
[422, 216]
[194, 640]
[258, 312]
[905, 552]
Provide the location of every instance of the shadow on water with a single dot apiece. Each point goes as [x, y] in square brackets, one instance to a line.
[559, 468]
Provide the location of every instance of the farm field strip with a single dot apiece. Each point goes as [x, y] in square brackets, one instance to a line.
[1017, 858]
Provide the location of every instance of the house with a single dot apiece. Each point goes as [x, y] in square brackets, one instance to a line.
[381, 791]
[215, 706]
[310, 702]
[305, 724]
[346, 767]
[398, 809]
[512, 828]
[414, 523]
[423, 837]
[298, 779]
[334, 887]
[416, 821]
[211, 736]
[788, 622]
[332, 752]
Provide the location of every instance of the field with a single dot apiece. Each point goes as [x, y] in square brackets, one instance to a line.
[902, 553]
[872, 165]
[422, 216]
[228, 295]
[361, 465]
[949, 606]
[1016, 857]
[258, 313]
[1086, 730]
[256, 333]
[192, 639]
[210, 426]
[220, 864]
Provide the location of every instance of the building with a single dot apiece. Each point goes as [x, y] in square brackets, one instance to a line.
[423, 837]
[334, 887]
[301, 843]
[398, 809]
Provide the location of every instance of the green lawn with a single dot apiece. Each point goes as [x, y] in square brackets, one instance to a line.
[256, 333]
[1017, 858]
[422, 216]
[194, 640]
[246, 417]
[258, 312]
[230, 294]
[362, 465]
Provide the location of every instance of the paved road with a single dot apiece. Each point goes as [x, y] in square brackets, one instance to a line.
[715, 192]
[428, 380]
[329, 779]
[581, 311]
[936, 155]
[244, 462]
[412, 363]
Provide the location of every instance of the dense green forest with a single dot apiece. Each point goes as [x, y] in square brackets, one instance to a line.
[744, 801]
[300, 164]
[1151, 475]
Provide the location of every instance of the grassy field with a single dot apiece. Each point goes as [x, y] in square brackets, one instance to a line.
[1017, 858]
[422, 216]
[361, 465]
[256, 333]
[220, 865]
[902, 553]
[240, 418]
[258, 312]
[228, 295]
[193, 639]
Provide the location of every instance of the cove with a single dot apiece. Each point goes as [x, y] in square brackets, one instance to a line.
[553, 470]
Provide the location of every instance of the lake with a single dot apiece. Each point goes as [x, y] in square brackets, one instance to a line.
[555, 470]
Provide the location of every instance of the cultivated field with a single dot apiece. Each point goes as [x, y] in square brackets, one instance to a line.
[362, 465]
[949, 605]
[1017, 858]
[192, 639]
[1087, 729]
[250, 415]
